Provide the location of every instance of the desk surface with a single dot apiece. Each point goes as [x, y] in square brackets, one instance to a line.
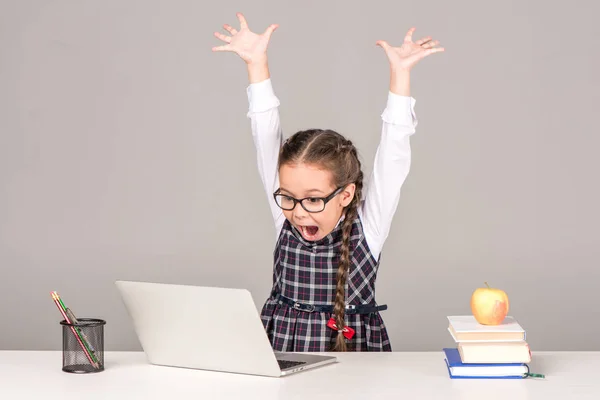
[410, 375]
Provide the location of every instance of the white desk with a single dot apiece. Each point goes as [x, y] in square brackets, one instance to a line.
[396, 375]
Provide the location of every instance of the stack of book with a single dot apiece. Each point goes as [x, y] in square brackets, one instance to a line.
[487, 351]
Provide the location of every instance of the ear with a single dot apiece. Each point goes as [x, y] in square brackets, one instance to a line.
[347, 194]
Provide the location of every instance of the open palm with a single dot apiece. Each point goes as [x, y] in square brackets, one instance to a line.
[251, 47]
[409, 53]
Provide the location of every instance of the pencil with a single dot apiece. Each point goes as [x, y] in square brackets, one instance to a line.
[82, 335]
[56, 301]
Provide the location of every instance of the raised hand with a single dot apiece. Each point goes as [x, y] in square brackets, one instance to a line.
[409, 53]
[250, 46]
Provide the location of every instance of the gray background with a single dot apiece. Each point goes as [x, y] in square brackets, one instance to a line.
[125, 153]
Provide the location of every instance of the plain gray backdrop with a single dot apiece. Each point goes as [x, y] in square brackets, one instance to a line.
[126, 153]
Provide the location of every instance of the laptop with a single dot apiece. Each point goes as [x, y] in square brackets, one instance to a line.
[208, 328]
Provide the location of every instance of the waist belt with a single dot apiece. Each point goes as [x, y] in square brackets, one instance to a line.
[350, 309]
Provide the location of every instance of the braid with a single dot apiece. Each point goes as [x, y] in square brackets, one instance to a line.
[344, 264]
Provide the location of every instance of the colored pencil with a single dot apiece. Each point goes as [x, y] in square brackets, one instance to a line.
[73, 320]
[85, 350]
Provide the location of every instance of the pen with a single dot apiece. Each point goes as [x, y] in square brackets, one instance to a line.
[87, 341]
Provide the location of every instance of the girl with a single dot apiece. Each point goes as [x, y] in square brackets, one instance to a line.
[329, 229]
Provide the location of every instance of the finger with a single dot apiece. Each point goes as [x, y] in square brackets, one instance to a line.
[269, 31]
[421, 42]
[243, 22]
[408, 37]
[224, 38]
[429, 45]
[230, 29]
[434, 50]
[383, 44]
[225, 47]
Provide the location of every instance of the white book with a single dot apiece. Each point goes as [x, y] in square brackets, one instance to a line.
[465, 328]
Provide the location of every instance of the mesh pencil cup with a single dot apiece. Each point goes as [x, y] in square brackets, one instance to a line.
[83, 345]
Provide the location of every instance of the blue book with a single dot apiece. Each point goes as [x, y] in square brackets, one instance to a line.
[459, 370]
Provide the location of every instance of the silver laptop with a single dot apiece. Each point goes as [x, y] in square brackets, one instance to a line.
[209, 328]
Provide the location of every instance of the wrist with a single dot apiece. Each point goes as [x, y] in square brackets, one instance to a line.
[400, 81]
[258, 70]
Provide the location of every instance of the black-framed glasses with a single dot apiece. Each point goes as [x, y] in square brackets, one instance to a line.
[310, 204]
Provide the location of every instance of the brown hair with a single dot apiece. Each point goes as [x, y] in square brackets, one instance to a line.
[338, 155]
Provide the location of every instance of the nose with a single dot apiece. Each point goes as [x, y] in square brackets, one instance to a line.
[299, 212]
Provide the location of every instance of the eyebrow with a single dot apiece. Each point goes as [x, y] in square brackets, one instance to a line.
[308, 191]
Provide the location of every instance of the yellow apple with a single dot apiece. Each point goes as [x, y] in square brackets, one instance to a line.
[489, 305]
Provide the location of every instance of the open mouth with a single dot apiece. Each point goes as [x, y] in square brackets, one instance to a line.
[309, 232]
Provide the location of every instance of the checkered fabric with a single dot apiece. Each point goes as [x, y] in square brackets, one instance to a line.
[307, 272]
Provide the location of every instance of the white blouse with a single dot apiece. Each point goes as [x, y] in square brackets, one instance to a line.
[391, 164]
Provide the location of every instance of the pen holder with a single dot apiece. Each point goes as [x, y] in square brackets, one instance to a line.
[83, 345]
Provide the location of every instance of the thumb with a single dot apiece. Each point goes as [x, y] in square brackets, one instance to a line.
[269, 31]
[383, 44]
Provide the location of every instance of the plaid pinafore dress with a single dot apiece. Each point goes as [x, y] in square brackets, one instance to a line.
[301, 302]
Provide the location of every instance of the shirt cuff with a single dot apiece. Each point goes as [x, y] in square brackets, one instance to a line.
[261, 96]
[400, 110]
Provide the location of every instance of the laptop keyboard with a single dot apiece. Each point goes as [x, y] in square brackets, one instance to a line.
[284, 364]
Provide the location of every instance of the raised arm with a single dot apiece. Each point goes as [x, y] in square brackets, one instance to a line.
[393, 157]
[263, 109]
